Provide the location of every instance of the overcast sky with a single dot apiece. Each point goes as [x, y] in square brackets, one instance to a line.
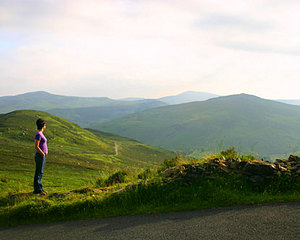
[150, 48]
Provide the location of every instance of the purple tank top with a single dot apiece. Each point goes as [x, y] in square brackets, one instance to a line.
[43, 142]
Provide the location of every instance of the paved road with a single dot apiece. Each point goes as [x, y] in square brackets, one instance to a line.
[277, 221]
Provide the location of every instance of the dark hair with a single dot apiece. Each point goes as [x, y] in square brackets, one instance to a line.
[40, 123]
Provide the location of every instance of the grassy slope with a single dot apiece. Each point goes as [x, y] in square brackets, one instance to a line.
[249, 123]
[76, 156]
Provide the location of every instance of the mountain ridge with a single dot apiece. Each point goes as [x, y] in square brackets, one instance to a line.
[250, 123]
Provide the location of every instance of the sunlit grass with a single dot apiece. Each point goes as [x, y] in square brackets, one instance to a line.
[126, 192]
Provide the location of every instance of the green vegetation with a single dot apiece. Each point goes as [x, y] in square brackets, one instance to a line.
[77, 157]
[118, 177]
[127, 195]
[92, 174]
[263, 128]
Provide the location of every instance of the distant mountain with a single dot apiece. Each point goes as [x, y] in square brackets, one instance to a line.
[45, 101]
[89, 116]
[293, 102]
[131, 99]
[186, 97]
[251, 124]
[84, 111]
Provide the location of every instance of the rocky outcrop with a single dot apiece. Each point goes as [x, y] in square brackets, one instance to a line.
[255, 171]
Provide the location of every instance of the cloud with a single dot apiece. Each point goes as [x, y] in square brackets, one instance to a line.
[25, 15]
[258, 48]
[213, 22]
[158, 46]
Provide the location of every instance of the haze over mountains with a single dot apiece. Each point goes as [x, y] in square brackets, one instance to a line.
[293, 102]
[81, 110]
[90, 111]
[251, 124]
[189, 96]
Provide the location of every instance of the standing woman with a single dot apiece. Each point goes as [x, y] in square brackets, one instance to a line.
[40, 157]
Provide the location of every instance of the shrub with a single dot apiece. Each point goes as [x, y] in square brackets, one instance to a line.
[100, 182]
[229, 153]
[145, 174]
[117, 177]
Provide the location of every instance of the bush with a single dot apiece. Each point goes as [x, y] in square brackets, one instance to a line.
[231, 153]
[100, 182]
[145, 174]
[118, 177]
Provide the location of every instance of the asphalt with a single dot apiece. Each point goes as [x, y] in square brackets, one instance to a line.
[276, 221]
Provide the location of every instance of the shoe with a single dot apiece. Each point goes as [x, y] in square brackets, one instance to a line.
[44, 193]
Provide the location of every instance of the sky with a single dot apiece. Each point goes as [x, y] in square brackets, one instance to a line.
[150, 48]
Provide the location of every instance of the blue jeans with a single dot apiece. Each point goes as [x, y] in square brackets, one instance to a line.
[39, 170]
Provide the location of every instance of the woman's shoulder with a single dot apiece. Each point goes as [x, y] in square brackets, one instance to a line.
[38, 135]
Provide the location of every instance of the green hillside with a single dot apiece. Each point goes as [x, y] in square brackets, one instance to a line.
[76, 156]
[250, 124]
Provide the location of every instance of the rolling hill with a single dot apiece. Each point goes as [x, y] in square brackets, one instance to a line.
[249, 123]
[75, 154]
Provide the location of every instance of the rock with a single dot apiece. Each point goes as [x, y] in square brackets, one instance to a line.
[281, 169]
[280, 161]
[259, 168]
[255, 170]
[173, 174]
[293, 158]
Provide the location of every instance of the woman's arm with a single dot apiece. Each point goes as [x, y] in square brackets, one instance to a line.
[37, 147]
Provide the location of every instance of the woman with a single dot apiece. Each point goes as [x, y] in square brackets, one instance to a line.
[40, 157]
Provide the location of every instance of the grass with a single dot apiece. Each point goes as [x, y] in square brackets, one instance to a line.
[124, 193]
[77, 156]
[85, 177]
